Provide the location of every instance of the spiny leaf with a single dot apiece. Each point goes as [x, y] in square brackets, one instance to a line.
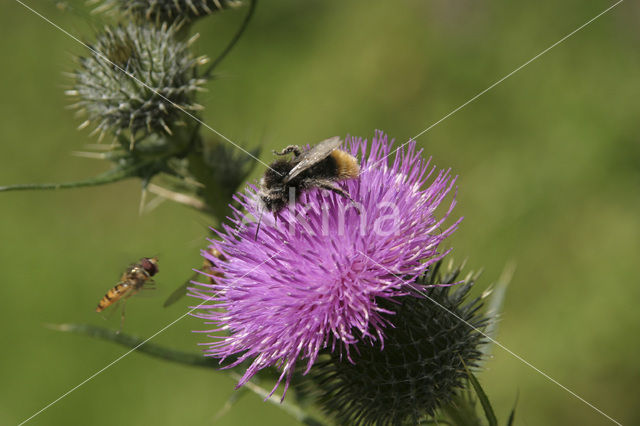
[179, 292]
[231, 401]
[512, 415]
[495, 302]
[484, 400]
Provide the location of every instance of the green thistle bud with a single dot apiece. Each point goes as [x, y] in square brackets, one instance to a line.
[221, 168]
[421, 366]
[168, 11]
[136, 93]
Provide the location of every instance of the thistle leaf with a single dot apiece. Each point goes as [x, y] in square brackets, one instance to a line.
[484, 400]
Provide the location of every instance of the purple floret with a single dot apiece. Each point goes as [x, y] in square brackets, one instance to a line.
[313, 277]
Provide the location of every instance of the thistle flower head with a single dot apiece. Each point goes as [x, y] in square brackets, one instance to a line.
[168, 11]
[133, 80]
[320, 275]
[434, 339]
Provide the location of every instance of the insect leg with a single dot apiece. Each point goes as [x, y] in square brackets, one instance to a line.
[291, 148]
[124, 303]
[255, 238]
[149, 285]
[333, 187]
[330, 186]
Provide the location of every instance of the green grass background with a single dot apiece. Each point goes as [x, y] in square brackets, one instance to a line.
[549, 165]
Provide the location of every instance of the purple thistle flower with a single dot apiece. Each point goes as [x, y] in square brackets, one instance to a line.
[315, 274]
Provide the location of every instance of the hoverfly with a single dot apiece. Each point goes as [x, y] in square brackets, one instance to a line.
[134, 279]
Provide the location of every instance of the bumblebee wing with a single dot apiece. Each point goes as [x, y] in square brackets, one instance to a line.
[312, 156]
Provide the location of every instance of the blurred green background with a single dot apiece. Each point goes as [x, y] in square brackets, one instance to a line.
[549, 165]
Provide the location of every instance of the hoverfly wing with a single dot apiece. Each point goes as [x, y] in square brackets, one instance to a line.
[312, 156]
[108, 312]
[179, 292]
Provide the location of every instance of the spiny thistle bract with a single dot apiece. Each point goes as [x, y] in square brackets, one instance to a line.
[168, 11]
[164, 75]
[421, 366]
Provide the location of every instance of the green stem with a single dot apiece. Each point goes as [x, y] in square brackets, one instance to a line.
[293, 410]
[234, 40]
[180, 357]
[157, 351]
[102, 179]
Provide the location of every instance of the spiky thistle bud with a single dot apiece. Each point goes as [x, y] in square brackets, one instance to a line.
[221, 168]
[168, 11]
[148, 73]
[421, 366]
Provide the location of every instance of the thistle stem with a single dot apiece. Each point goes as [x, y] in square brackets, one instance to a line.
[234, 40]
[186, 358]
[293, 410]
[102, 179]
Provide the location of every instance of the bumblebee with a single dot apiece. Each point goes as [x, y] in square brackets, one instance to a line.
[318, 167]
[136, 277]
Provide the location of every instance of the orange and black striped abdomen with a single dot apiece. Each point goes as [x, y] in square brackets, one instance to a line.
[338, 165]
[347, 166]
[112, 296]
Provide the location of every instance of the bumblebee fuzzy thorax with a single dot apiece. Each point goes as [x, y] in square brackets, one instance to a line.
[274, 192]
[320, 166]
